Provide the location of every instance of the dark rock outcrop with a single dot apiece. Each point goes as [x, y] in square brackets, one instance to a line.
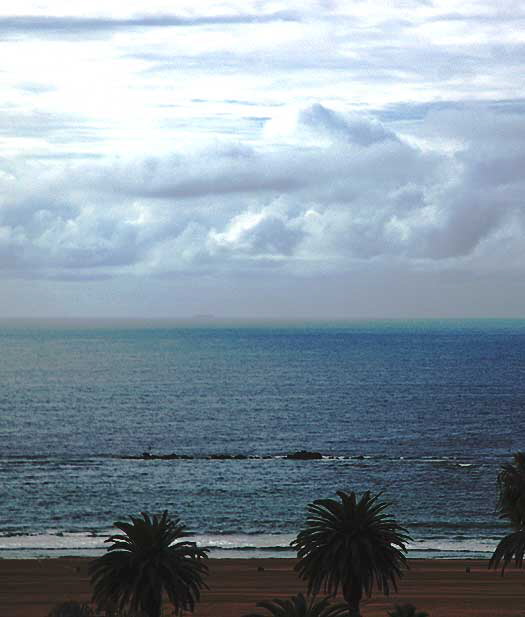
[300, 455]
[165, 457]
[304, 455]
[227, 457]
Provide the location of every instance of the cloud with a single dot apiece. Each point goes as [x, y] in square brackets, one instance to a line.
[268, 232]
[44, 25]
[54, 127]
[360, 131]
[328, 192]
[35, 87]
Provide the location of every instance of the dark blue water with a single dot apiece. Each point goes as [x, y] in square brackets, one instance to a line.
[423, 411]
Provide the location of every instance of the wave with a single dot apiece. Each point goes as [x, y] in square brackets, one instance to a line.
[226, 545]
[471, 526]
[449, 546]
[79, 540]
[307, 456]
[245, 541]
[52, 540]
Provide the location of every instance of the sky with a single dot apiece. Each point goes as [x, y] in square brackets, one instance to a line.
[262, 159]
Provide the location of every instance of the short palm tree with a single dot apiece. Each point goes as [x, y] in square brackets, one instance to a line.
[511, 506]
[406, 610]
[350, 544]
[145, 561]
[72, 609]
[299, 606]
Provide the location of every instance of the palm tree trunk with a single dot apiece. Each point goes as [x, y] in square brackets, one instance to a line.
[353, 599]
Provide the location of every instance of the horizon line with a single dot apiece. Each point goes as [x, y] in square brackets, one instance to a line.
[209, 318]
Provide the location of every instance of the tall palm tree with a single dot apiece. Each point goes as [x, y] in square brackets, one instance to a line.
[299, 606]
[350, 544]
[145, 561]
[511, 491]
[512, 546]
[511, 506]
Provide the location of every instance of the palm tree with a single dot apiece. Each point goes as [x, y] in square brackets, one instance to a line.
[350, 544]
[406, 610]
[299, 606]
[72, 609]
[511, 506]
[511, 489]
[145, 561]
[511, 546]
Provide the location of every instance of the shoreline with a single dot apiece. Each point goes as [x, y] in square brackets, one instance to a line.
[231, 554]
[442, 587]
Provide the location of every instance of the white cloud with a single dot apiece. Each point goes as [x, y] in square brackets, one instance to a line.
[264, 139]
[360, 194]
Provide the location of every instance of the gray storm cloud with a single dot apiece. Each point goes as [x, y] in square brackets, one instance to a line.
[337, 191]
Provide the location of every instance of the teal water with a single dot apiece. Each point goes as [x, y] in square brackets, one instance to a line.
[424, 411]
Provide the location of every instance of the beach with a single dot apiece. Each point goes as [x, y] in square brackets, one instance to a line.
[442, 587]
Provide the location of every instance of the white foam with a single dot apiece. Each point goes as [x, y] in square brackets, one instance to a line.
[444, 545]
[225, 545]
[86, 540]
[240, 541]
[73, 541]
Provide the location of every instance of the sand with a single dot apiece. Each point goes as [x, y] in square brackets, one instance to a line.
[30, 588]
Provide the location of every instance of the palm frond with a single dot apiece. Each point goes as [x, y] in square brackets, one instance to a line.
[406, 610]
[511, 547]
[144, 560]
[72, 609]
[299, 606]
[350, 542]
[511, 491]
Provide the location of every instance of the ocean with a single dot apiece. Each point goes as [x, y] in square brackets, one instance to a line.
[423, 411]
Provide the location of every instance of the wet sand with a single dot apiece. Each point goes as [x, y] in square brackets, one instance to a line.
[30, 588]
